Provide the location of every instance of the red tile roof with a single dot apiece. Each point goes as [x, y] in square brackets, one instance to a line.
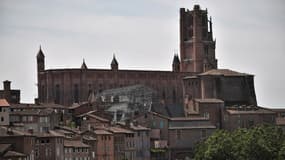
[4, 103]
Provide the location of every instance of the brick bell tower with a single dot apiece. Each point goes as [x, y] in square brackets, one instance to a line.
[197, 47]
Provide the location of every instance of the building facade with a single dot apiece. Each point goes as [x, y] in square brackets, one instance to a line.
[197, 53]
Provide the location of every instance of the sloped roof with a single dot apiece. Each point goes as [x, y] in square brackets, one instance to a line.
[14, 154]
[4, 103]
[4, 131]
[101, 131]
[119, 130]
[4, 147]
[74, 143]
[223, 72]
[139, 128]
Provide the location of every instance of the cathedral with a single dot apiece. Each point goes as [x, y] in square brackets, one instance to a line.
[194, 73]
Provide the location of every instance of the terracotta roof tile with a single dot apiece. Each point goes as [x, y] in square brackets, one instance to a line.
[4, 103]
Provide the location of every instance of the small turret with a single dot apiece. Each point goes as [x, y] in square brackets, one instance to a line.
[84, 66]
[176, 63]
[41, 60]
[114, 64]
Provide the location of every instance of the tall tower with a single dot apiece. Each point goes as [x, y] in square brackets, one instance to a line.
[40, 68]
[197, 47]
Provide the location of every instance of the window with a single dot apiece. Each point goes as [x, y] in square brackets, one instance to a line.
[206, 115]
[161, 124]
[30, 118]
[2, 119]
[24, 118]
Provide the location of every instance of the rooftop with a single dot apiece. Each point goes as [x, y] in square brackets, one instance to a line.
[74, 143]
[256, 110]
[209, 100]
[4, 131]
[14, 154]
[188, 118]
[139, 128]
[223, 72]
[194, 127]
[101, 131]
[38, 106]
[4, 147]
[4, 103]
[119, 130]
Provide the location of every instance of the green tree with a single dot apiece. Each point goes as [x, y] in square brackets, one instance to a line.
[258, 143]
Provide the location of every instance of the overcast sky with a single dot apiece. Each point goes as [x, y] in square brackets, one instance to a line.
[143, 34]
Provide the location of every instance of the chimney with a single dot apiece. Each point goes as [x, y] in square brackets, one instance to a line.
[7, 85]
